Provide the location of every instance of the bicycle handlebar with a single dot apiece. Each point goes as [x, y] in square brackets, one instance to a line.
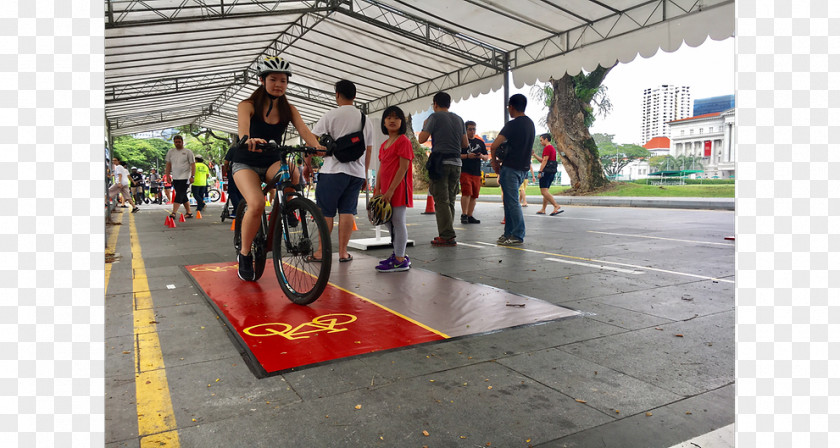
[273, 146]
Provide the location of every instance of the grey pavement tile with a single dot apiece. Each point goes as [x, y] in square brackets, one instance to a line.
[464, 407]
[702, 358]
[677, 302]
[119, 356]
[334, 378]
[132, 443]
[194, 344]
[585, 286]
[198, 395]
[614, 315]
[470, 350]
[613, 393]
[120, 410]
[664, 428]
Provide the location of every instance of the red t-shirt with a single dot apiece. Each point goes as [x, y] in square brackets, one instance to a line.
[389, 163]
[549, 151]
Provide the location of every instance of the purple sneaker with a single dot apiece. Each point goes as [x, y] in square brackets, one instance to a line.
[395, 266]
[388, 261]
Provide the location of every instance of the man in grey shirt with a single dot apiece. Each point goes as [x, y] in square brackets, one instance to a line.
[448, 137]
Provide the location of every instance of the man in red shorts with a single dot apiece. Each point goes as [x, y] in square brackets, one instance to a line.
[471, 173]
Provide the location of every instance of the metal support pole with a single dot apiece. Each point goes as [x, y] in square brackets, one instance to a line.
[507, 87]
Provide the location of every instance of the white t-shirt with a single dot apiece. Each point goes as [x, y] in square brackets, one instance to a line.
[339, 122]
[119, 169]
[181, 160]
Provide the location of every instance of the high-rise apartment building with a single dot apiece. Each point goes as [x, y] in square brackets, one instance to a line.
[660, 105]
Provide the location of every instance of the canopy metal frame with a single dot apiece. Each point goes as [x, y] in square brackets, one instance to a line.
[179, 62]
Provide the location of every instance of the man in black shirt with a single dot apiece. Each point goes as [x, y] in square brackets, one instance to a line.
[513, 166]
[471, 173]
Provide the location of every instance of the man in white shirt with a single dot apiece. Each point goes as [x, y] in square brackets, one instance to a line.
[339, 184]
[180, 165]
[121, 184]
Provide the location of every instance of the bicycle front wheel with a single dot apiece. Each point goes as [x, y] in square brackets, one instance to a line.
[299, 233]
[257, 246]
[214, 195]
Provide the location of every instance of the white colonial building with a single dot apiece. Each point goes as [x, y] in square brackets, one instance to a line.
[710, 137]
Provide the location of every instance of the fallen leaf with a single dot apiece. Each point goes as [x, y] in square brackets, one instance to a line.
[580, 401]
[193, 419]
[616, 411]
[688, 413]
[128, 353]
[678, 335]
[648, 414]
[489, 387]
[218, 379]
[426, 433]
[358, 406]
[463, 437]
[657, 328]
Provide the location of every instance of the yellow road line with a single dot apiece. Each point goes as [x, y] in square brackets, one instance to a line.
[109, 248]
[419, 324]
[155, 416]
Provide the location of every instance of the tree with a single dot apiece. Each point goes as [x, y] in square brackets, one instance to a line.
[570, 113]
[139, 152]
[421, 176]
[662, 163]
[206, 142]
[615, 157]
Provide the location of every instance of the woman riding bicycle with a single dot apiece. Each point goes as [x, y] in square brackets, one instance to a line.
[262, 117]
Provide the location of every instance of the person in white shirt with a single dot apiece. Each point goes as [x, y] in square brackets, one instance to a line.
[339, 184]
[121, 184]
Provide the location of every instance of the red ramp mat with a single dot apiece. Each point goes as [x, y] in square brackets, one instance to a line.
[278, 335]
[384, 311]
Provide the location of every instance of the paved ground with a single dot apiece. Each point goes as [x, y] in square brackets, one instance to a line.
[649, 363]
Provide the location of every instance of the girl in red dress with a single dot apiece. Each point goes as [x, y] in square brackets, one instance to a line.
[395, 181]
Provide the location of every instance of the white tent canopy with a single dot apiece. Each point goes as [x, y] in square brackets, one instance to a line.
[178, 62]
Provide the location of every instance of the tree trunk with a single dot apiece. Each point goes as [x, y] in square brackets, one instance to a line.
[421, 176]
[576, 148]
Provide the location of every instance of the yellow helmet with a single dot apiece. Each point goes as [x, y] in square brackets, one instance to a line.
[379, 211]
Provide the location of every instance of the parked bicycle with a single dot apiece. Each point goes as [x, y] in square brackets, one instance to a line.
[294, 230]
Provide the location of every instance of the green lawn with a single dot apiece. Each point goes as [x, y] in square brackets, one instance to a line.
[624, 189]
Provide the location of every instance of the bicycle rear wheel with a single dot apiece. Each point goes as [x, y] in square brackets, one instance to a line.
[214, 195]
[301, 279]
[257, 246]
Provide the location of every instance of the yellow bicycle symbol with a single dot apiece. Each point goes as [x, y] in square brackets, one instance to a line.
[214, 268]
[327, 323]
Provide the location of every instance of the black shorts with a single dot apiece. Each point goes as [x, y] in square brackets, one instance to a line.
[180, 187]
[547, 179]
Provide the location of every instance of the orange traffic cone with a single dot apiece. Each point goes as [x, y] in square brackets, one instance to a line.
[354, 224]
[171, 222]
[430, 205]
[198, 214]
[181, 219]
[233, 224]
[223, 199]
[166, 221]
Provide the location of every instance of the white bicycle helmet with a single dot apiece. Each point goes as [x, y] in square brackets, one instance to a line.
[273, 64]
[140, 170]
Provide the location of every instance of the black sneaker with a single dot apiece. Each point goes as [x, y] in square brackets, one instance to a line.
[246, 267]
[464, 219]
[135, 210]
[472, 220]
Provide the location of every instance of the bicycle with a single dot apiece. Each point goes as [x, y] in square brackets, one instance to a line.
[293, 230]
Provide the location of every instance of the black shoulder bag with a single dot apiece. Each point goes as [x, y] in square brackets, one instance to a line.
[350, 147]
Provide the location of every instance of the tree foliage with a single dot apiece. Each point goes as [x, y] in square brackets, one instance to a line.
[615, 157]
[574, 103]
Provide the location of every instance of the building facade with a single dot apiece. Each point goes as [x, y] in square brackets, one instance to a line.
[661, 105]
[714, 104]
[709, 137]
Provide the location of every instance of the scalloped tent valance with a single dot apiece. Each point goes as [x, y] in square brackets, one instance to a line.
[179, 62]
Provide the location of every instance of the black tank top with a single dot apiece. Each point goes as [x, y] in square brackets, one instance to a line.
[267, 132]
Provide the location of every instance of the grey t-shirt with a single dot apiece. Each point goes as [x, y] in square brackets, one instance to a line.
[446, 129]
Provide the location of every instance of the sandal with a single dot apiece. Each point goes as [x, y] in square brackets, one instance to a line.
[188, 215]
[540, 213]
[312, 259]
[344, 260]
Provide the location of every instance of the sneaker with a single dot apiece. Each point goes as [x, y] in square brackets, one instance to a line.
[438, 241]
[511, 241]
[465, 219]
[472, 220]
[135, 210]
[502, 239]
[394, 266]
[388, 261]
[246, 267]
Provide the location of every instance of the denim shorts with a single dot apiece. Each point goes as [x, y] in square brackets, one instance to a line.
[260, 170]
[338, 192]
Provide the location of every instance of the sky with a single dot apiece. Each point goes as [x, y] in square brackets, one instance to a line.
[708, 69]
